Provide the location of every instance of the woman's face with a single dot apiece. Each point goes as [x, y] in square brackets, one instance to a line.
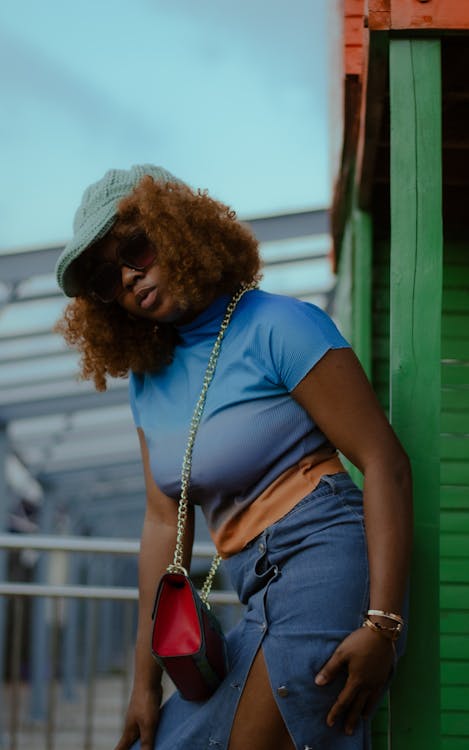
[142, 293]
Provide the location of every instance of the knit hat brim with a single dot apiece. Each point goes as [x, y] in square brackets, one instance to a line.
[96, 215]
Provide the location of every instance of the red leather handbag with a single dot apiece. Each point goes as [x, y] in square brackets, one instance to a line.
[187, 640]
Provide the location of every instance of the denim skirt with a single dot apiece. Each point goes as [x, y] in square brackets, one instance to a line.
[304, 581]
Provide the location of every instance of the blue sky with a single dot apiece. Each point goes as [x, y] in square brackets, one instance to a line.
[232, 97]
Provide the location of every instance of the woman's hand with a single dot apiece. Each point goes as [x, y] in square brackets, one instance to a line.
[368, 658]
[141, 719]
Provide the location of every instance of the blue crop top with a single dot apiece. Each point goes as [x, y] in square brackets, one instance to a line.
[251, 430]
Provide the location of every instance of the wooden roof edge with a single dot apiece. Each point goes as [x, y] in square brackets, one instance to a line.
[418, 15]
[354, 19]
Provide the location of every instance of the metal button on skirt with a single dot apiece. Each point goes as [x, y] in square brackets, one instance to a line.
[305, 585]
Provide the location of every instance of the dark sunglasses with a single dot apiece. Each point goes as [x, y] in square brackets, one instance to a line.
[135, 252]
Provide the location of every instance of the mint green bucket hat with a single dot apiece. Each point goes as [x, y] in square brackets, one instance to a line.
[96, 215]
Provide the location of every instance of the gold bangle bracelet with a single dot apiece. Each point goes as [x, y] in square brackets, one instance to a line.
[387, 615]
[392, 634]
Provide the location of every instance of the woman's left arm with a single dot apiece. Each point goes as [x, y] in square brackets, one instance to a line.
[340, 400]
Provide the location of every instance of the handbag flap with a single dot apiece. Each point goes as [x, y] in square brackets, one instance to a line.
[177, 628]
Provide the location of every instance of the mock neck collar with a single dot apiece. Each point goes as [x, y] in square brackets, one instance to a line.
[207, 323]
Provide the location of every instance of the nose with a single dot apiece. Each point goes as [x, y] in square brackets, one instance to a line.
[129, 276]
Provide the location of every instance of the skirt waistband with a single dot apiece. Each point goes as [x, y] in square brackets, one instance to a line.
[274, 502]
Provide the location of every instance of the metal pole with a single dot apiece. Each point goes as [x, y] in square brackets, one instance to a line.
[52, 684]
[69, 644]
[4, 502]
[40, 635]
[90, 678]
[15, 670]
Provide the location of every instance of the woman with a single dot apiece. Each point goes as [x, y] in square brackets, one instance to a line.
[152, 266]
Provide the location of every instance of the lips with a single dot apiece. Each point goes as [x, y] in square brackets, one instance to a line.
[146, 297]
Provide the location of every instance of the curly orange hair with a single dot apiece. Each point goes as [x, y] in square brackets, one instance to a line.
[202, 250]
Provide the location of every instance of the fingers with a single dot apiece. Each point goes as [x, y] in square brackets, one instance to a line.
[352, 702]
[128, 738]
[366, 661]
[356, 711]
[331, 668]
[146, 733]
[346, 698]
[147, 738]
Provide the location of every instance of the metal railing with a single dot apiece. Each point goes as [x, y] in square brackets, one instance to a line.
[68, 627]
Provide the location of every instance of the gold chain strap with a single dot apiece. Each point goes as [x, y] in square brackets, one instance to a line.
[177, 565]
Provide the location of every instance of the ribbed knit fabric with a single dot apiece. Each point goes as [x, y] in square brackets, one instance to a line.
[251, 430]
[97, 213]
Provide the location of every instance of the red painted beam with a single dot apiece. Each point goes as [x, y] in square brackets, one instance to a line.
[353, 36]
[418, 15]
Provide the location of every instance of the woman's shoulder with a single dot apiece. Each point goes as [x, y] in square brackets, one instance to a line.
[279, 309]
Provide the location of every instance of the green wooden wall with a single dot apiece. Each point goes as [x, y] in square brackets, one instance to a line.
[403, 302]
[454, 562]
[454, 483]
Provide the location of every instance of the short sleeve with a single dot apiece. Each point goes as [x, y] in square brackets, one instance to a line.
[300, 335]
[135, 387]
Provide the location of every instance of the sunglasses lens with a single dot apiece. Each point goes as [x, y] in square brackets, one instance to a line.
[137, 253]
[106, 282]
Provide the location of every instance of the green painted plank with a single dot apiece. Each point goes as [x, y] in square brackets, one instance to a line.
[455, 374]
[456, 722]
[415, 380]
[456, 276]
[454, 570]
[454, 448]
[456, 301]
[454, 472]
[455, 623]
[456, 325]
[455, 596]
[455, 698]
[454, 672]
[455, 349]
[454, 743]
[454, 497]
[455, 647]
[456, 398]
[454, 421]
[454, 545]
[455, 521]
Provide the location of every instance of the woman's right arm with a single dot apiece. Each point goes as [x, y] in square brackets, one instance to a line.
[156, 552]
